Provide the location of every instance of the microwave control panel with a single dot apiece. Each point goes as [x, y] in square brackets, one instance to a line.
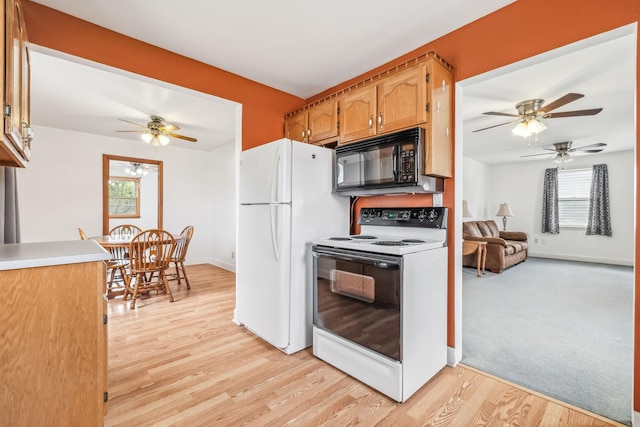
[407, 163]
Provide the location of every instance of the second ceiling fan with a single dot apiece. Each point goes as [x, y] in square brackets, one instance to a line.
[532, 110]
[156, 132]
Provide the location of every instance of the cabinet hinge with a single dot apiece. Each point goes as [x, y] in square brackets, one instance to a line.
[428, 107]
[338, 125]
[427, 77]
[104, 319]
[7, 110]
[105, 396]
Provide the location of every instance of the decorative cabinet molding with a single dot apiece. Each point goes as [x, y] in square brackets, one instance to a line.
[15, 147]
[317, 124]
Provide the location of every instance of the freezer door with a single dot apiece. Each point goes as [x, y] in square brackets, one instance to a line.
[263, 284]
[265, 173]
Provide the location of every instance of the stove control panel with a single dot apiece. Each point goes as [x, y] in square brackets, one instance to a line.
[427, 217]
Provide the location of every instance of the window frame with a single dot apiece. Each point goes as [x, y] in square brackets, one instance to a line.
[136, 197]
[584, 199]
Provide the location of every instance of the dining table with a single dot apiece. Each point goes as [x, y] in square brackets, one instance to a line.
[111, 243]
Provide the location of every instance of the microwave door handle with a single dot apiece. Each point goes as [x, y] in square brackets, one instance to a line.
[394, 160]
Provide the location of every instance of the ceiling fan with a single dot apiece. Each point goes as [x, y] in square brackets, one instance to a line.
[532, 110]
[564, 153]
[156, 132]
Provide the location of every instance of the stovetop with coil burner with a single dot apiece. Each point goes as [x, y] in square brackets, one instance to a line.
[395, 231]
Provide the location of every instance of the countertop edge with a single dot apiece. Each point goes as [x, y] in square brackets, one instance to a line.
[29, 255]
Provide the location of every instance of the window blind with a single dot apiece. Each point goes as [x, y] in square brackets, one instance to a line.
[574, 186]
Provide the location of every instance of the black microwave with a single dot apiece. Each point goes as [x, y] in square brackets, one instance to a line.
[387, 164]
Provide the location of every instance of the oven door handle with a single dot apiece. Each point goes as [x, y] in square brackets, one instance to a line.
[394, 160]
[382, 262]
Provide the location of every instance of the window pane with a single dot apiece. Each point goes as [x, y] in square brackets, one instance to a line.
[574, 187]
[124, 197]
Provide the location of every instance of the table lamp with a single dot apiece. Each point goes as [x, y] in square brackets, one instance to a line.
[504, 211]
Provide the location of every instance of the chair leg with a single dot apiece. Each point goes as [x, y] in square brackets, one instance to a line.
[163, 277]
[184, 274]
[177, 271]
[139, 278]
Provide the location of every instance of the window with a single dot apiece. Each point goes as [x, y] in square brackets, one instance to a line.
[124, 197]
[574, 188]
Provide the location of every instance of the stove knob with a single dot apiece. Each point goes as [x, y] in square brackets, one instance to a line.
[406, 215]
[422, 215]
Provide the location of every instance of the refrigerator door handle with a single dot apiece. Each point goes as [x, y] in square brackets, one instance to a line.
[275, 177]
[274, 231]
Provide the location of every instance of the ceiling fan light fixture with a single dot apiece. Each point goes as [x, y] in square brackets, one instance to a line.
[164, 139]
[521, 130]
[146, 137]
[535, 126]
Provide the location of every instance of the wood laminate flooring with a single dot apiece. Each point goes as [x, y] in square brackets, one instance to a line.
[187, 364]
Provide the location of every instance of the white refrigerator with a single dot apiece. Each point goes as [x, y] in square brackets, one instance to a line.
[286, 202]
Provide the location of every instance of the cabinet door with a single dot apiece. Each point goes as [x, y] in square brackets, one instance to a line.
[295, 127]
[438, 153]
[25, 96]
[402, 100]
[13, 52]
[358, 114]
[323, 121]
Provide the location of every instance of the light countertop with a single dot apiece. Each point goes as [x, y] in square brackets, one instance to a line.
[27, 255]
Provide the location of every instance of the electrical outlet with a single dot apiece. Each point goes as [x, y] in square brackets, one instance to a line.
[535, 240]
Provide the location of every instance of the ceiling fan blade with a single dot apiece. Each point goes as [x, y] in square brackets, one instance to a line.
[495, 126]
[186, 138]
[533, 155]
[591, 112]
[570, 97]
[493, 113]
[597, 144]
[169, 128]
[591, 151]
[123, 120]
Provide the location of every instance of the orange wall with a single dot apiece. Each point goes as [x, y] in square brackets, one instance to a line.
[263, 107]
[518, 31]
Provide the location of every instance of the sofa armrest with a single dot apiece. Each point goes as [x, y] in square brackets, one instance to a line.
[495, 240]
[514, 235]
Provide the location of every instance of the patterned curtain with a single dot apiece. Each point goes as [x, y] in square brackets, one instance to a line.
[550, 220]
[599, 214]
[9, 219]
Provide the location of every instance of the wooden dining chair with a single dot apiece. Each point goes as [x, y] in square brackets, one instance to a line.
[125, 231]
[180, 254]
[150, 255]
[83, 235]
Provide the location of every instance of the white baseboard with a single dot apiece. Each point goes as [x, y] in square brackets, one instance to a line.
[628, 263]
[218, 263]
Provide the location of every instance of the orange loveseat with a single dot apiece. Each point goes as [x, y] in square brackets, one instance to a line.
[504, 248]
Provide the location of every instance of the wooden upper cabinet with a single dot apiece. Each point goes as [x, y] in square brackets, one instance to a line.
[295, 127]
[402, 100]
[438, 155]
[15, 144]
[358, 114]
[323, 122]
[314, 125]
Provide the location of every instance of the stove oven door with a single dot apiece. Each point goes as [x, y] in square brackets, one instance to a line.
[357, 297]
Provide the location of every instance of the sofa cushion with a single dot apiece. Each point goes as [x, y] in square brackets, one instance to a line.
[471, 229]
[517, 245]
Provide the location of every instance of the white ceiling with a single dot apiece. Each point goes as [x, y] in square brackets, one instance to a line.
[304, 48]
[601, 68]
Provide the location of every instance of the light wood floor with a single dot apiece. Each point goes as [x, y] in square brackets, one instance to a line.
[187, 364]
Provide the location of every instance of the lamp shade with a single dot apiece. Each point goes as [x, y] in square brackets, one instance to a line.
[466, 213]
[504, 210]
